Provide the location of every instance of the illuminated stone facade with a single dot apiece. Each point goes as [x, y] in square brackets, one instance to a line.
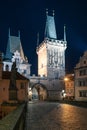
[42, 60]
[49, 89]
[51, 52]
[81, 79]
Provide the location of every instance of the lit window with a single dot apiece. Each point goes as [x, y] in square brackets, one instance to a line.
[84, 62]
[83, 93]
[82, 72]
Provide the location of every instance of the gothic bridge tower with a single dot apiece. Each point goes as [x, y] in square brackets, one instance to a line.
[51, 52]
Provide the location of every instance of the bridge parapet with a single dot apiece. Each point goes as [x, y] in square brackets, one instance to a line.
[14, 120]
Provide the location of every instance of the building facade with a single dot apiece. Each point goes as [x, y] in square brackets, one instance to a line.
[81, 79]
[69, 86]
[51, 52]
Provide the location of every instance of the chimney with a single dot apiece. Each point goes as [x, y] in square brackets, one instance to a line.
[1, 66]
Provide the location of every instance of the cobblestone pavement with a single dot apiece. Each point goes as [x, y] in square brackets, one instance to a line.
[55, 116]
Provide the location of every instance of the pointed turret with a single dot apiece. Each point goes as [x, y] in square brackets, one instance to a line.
[64, 33]
[9, 32]
[53, 13]
[37, 39]
[50, 29]
[14, 43]
[46, 12]
[19, 33]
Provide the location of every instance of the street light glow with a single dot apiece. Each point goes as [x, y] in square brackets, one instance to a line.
[30, 93]
[66, 79]
[63, 91]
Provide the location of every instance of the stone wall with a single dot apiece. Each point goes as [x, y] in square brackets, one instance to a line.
[15, 120]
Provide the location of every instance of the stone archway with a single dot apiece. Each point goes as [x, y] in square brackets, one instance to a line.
[39, 92]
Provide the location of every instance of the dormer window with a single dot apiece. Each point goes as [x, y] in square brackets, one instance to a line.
[7, 68]
[84, 61]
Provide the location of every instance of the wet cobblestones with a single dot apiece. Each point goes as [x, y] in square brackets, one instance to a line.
[55, 116]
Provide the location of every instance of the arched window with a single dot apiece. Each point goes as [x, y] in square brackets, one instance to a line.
[7, 68]
[84, 61]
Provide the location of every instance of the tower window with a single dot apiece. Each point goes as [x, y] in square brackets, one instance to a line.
[7, 68]
[83, 93]
[84, 62]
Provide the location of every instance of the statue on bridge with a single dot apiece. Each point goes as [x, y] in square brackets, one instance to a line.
[12, 86]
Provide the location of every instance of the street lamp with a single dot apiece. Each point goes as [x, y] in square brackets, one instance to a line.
[66, 79]
[63, 94]
[30, 94]
[63, 91]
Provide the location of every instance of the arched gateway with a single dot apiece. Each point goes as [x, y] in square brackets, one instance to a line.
[39, 92]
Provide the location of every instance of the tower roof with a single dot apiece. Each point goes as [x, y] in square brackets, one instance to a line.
[13, 44]
[50, 28]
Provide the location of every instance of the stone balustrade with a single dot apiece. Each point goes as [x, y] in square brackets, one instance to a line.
[14, 120]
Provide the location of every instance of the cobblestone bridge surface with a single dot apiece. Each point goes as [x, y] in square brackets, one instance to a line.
[55, 116]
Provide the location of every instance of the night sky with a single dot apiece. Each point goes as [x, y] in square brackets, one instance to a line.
[29, 17]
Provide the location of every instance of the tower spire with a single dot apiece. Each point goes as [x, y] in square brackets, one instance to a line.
[53, 13]
[64, 33]
[19, 33]
[46, 12]
[9, 32]
[50, 28]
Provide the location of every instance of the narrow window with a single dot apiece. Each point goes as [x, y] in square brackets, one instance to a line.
[22, 85]
[7, 68]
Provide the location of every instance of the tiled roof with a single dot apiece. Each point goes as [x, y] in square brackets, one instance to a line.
[14, 44]
[50, 29]
[7, 75]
